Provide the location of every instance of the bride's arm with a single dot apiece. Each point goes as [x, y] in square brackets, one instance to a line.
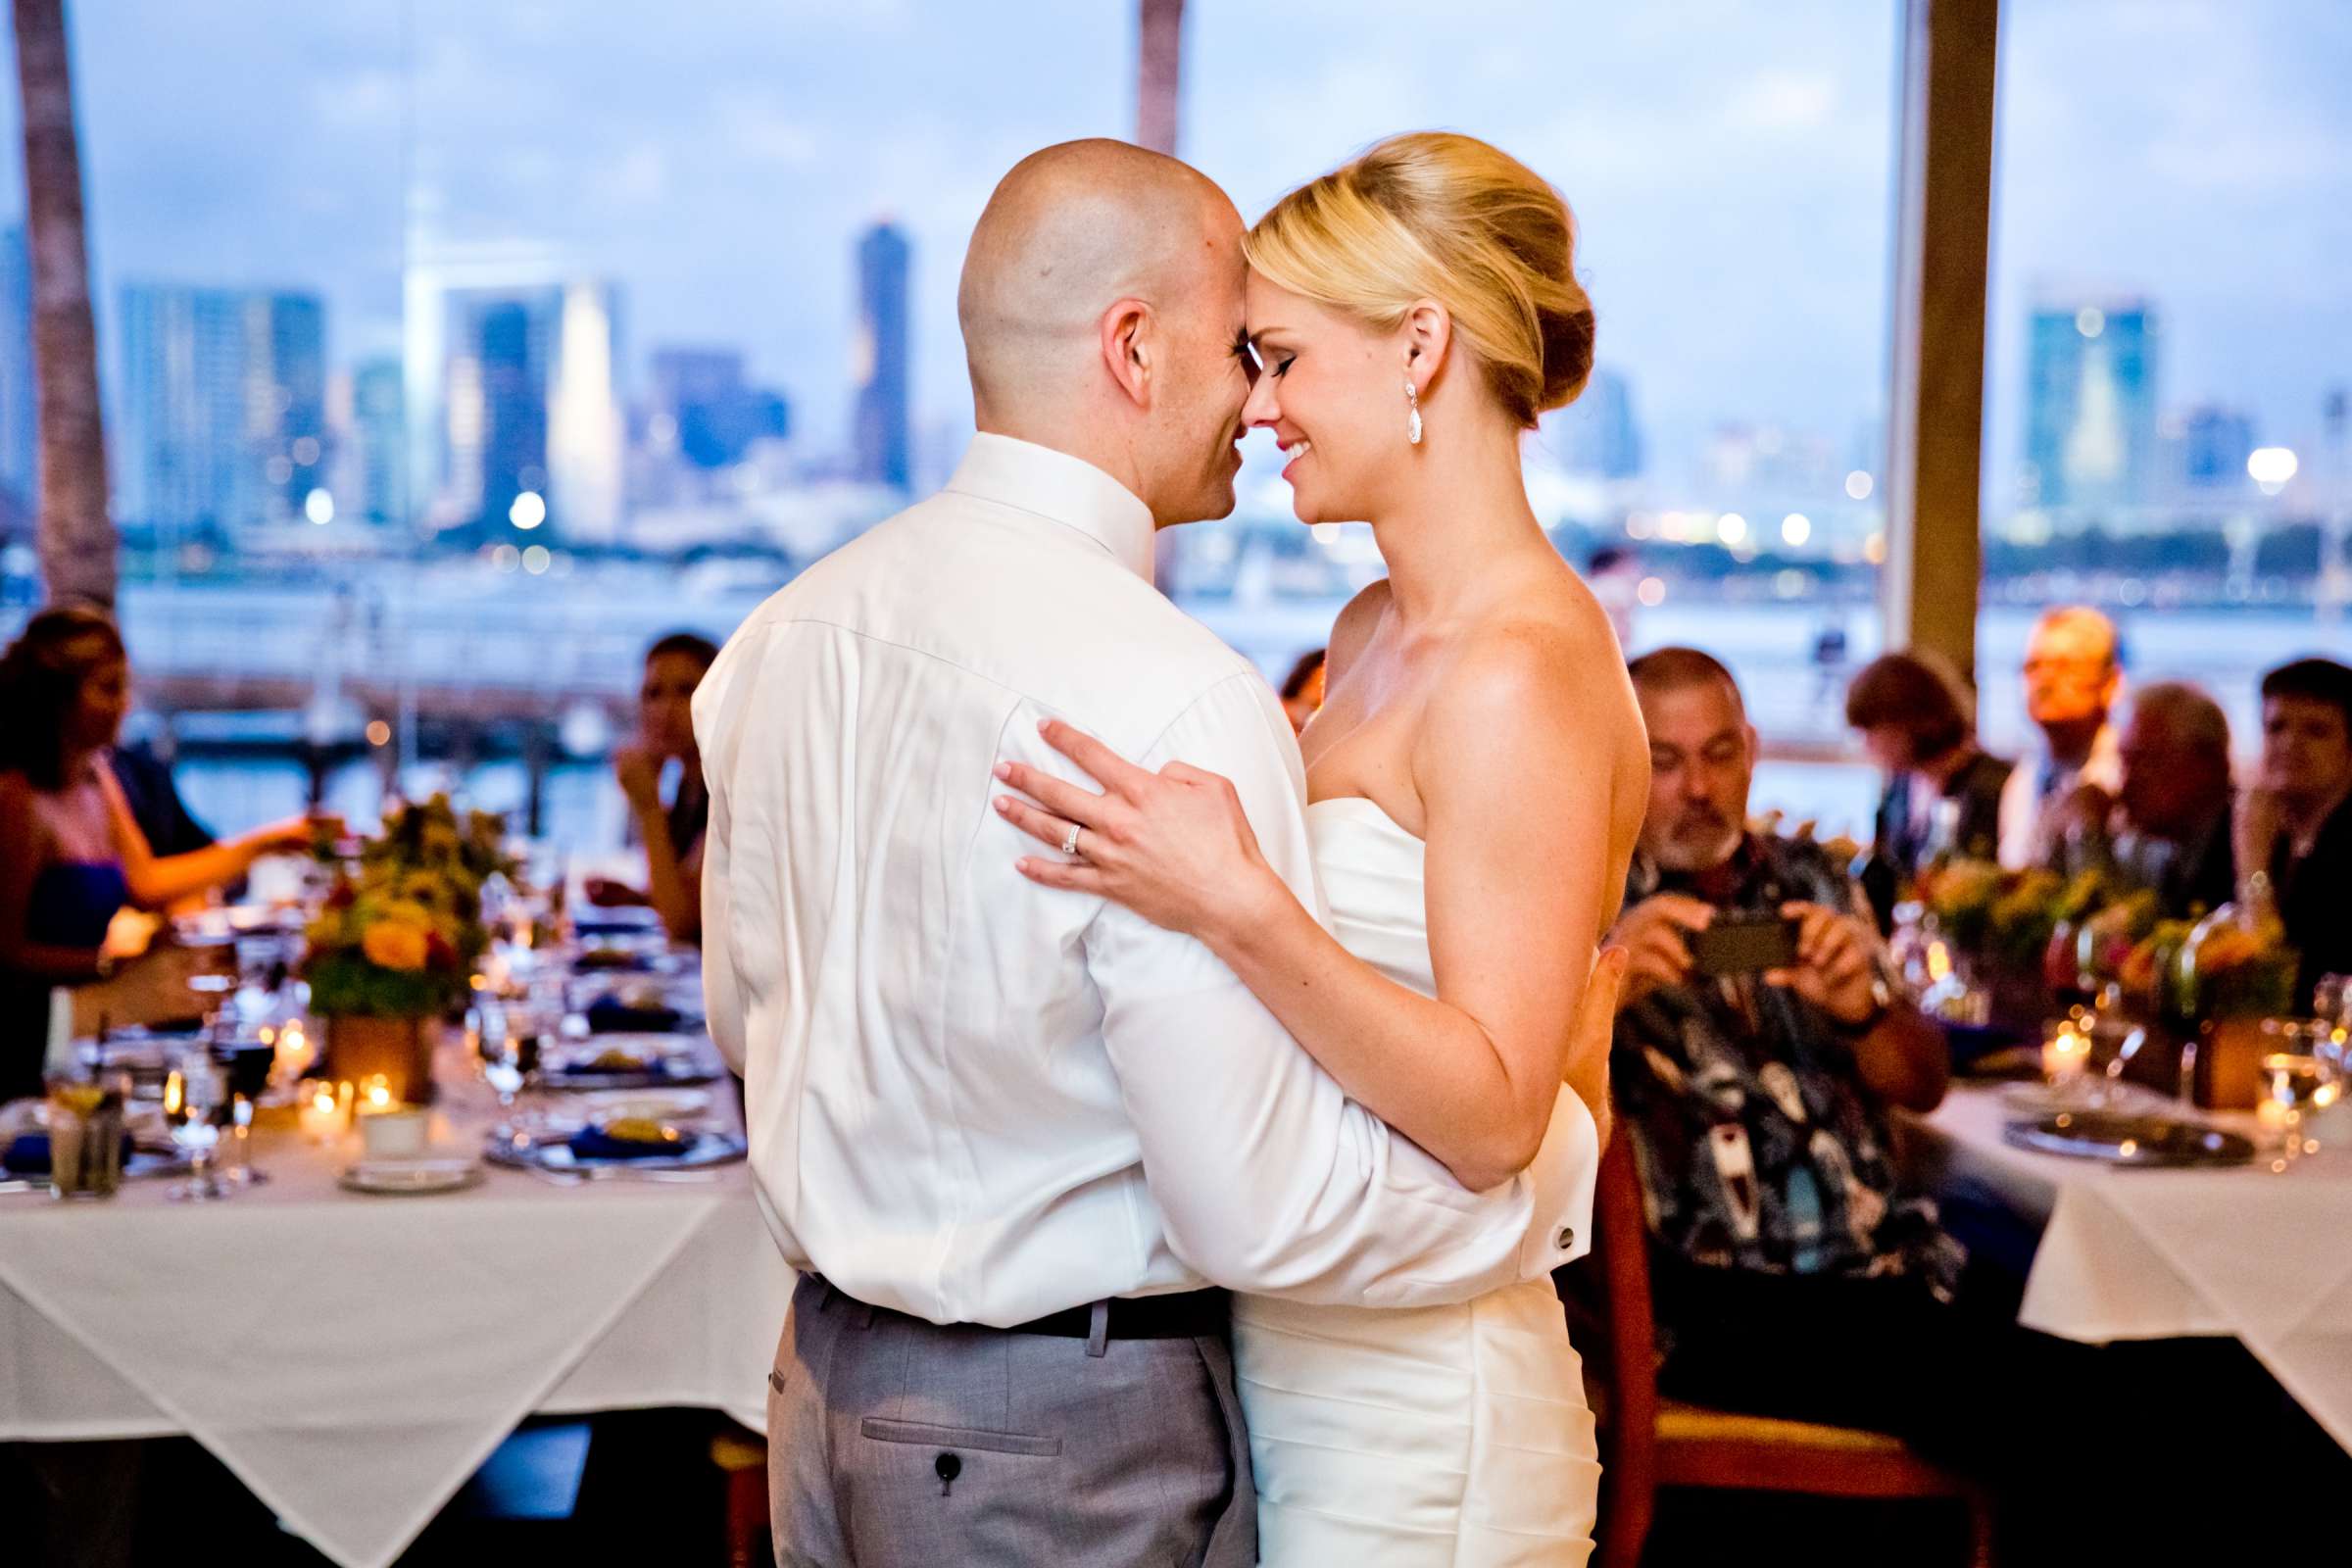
[1515, 773]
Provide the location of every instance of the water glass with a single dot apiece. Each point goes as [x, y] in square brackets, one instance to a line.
[86, 1139]
[2299, 1077]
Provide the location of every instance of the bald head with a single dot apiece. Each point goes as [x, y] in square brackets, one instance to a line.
[1069, 232]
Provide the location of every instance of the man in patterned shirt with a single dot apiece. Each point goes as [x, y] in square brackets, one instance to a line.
[1794, 1273]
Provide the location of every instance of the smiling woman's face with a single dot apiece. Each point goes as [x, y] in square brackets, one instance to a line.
[1332, 390]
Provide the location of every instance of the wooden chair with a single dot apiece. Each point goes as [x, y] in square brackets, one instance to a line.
[1648, 1442]
[741, 1455]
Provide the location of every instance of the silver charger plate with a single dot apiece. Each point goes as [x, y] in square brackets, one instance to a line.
[2124, 1139]
[671, 1061]
[703, 1148]
[411, 1177]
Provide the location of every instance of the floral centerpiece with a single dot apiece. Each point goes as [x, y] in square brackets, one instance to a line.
[395, 942]
[2012, 927]
[2212, 981]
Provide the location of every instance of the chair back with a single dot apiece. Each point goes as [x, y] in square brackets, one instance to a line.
[1629, 1432]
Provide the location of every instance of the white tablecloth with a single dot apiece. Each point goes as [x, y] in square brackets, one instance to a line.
[352, 1360]
[2129, 1254]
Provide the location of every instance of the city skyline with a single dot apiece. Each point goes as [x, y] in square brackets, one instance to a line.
[1732, 179]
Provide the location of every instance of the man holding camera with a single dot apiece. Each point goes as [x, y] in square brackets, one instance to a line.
[1759, 1047]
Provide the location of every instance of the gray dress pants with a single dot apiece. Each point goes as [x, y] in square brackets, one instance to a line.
[897, 1443]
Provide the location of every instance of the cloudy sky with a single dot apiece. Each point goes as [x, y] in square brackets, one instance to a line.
[1729, 160]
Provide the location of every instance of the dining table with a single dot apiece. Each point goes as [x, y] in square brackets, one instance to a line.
[352, 1357]
[2259, 1251]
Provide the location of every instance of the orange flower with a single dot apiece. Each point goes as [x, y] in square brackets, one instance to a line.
[395, 944]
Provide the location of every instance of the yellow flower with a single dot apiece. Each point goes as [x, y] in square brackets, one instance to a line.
[395, 944]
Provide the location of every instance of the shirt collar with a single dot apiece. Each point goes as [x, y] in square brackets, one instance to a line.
[1060, 488]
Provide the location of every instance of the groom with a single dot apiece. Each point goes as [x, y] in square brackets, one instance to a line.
[1015, 1140]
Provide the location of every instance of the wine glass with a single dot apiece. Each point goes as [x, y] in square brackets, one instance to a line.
[193, 1095]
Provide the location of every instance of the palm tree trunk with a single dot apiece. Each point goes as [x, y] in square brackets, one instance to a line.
[76, 529]
[1159, 67]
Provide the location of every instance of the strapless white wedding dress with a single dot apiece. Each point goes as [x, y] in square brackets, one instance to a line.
[1447, 1436]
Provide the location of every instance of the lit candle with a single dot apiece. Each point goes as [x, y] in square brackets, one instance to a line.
[294, 1052]
[319, 1111]
[2065, 1051]
[378, 1092]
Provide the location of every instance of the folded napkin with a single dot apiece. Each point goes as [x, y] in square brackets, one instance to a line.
[610, 1015]
[29, 1155]
[594, 1142]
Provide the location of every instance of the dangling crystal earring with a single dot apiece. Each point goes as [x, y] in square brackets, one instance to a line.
[1412, 418]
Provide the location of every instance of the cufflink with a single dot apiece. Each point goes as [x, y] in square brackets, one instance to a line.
[1566, 1239]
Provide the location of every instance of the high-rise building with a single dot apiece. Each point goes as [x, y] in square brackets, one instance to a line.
[2213, 445]
[19, 448]
[880, 360]
[2091, 403]
[223, 406]
[379, 440]
[1596, 433]
[531, 404]
[714, 416]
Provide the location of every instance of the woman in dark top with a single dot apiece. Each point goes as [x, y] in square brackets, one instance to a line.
[71, 854]
[1943, 793]
[672, 832]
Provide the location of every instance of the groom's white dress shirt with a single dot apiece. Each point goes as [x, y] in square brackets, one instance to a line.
[975, 1099]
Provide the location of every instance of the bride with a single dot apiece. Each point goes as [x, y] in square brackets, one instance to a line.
[1478, 776]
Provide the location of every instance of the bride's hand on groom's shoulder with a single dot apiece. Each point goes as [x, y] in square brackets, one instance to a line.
[1174, 846]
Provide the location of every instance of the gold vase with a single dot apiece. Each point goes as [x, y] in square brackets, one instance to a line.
[399, 1050]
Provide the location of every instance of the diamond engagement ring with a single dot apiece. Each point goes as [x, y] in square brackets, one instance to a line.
[1069, 840]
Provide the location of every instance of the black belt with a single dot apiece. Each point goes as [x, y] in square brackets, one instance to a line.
[1185, 1315]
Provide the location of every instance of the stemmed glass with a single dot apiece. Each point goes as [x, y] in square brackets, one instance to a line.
[506, 1042]
[193, 1097]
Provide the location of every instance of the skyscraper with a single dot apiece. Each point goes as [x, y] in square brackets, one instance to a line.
[880, 360]
[2214, 444]
[222, 404]
[716, 416]
[2091, 403]
[532, 403]
[379, 426]
[20, 451]
[1596, 433]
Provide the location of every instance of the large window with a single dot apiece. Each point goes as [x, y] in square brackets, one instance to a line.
[2170, 338]
[454, 352]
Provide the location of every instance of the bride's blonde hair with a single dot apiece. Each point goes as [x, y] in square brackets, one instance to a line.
[1433, 215]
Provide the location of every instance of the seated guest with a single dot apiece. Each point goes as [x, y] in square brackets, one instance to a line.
[2296, 823]
[71, 853]
[153, 796]
[1943, 790]
[671, 831]
[2073, 678]
[2173, 817]
[1303, 690]
[1795, 1274]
